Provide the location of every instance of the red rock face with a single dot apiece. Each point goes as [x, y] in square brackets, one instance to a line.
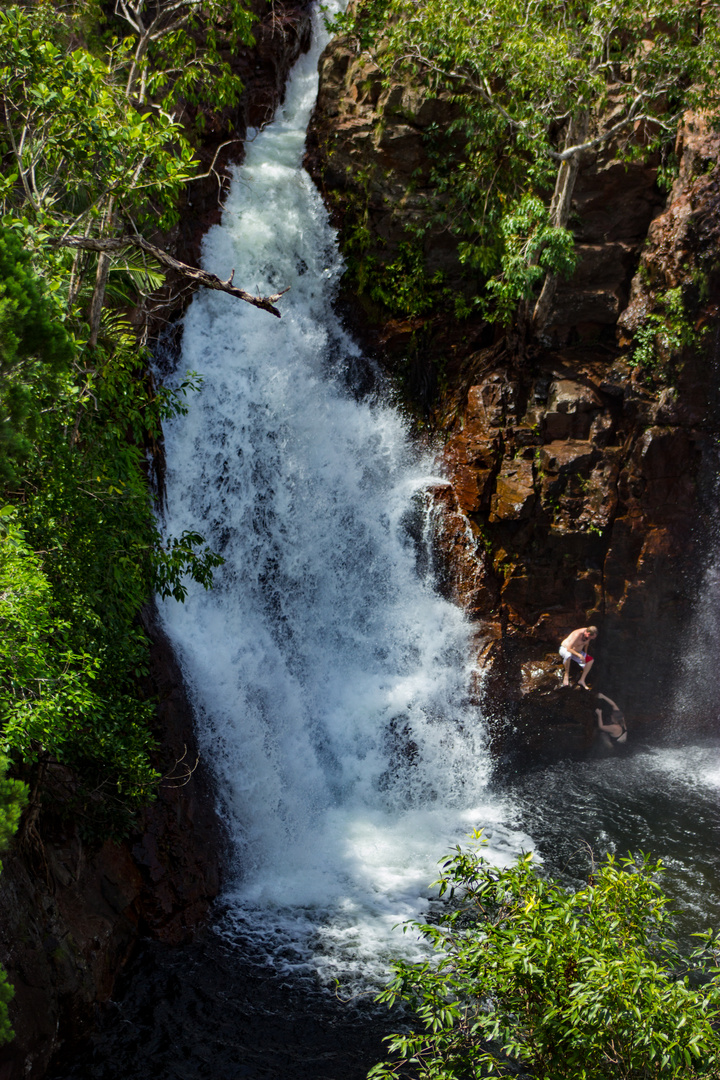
[577, 485]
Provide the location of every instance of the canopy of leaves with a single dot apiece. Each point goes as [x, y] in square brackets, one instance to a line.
[84, 145]
[95, 140]
[71, 139]
[35, 352]
[536, 82]
[80, 550]
[566, 985]
[177, 52]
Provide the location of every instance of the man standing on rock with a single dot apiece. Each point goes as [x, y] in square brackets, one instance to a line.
[574, 647]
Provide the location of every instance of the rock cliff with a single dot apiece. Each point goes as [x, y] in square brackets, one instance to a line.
[72, 910]
[579, 485]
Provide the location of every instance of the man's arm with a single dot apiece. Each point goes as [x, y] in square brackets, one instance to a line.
[601, 724]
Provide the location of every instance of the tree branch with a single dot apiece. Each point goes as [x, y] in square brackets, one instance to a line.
[483, 90]
[202, 277]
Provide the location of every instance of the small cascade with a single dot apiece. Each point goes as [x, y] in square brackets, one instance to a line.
[329, 679]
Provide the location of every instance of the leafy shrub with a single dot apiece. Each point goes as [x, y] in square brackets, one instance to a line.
[35, 350]
[80, 549]
[532, 87]
[562, 985]
[664, 334]
[532, 247]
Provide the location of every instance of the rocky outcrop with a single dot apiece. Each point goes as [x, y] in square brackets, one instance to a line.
[577, 485]
[73, 910]
[367, 151]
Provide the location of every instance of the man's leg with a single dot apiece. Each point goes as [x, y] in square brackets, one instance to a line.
[566, 676]
[583, 677]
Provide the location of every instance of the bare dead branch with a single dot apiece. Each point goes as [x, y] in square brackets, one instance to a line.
[181, 773]
[201, 277]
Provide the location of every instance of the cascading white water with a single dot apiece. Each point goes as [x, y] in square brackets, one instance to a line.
[329, 679]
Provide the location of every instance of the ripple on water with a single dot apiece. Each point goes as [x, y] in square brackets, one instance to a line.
[659, 800]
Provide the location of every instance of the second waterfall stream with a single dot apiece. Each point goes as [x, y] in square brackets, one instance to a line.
[329, 679]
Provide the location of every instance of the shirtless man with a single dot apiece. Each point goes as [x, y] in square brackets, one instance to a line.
[616, 729]
[574, 647]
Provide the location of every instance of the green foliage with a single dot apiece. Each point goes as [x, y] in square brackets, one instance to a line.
[403, 286]
[80, 551]
[6, 995]
[13, 800]
[35, 352]
[96, 140]
[91, 142]
[530, 83]
[664, 334]
[176, 53]
[563, 985]
[532, 248]
[72, 139]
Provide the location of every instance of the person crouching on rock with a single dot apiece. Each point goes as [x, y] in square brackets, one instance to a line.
[574, 647]
[616, 729]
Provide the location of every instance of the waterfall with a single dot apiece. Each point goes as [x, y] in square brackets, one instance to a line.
[329, 679]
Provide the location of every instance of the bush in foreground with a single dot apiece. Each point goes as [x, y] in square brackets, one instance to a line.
[529, 978]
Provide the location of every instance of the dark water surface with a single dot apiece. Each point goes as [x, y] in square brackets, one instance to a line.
[214, 1009]
[663, 800]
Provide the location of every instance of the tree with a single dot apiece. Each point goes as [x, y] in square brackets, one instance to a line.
[87, 153]
[562, 985]
[540, 84]
[165, 61]
[35, 352]
[80, 549]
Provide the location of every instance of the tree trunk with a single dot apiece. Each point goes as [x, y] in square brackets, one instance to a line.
[560, 211]
[98, 297]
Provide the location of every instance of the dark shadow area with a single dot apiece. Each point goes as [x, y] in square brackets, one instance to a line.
[211, 1009]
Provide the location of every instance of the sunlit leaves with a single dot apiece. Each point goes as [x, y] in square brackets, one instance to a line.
[35, 351]
[532, 247]
[524, 74]
[80, 549]
[567, 985]
[74, 137]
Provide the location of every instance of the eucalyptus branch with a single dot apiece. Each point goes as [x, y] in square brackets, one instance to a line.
[483, 90]
[632, 117]
[212, 170]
